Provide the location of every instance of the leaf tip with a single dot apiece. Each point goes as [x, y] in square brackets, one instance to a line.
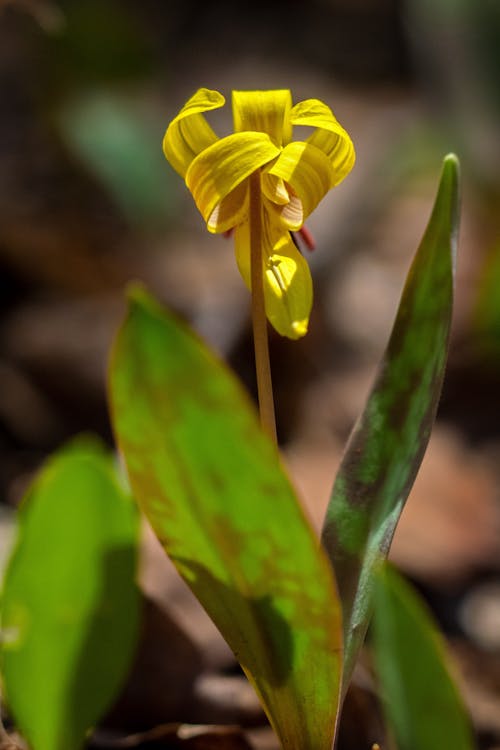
[137, 294]
[451, 167]
[141, 301]
[452, 158]
[450, 185]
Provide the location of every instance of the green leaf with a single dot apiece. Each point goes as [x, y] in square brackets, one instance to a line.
[213, 488]
[422, 703]
[70, 607]
[389, 440]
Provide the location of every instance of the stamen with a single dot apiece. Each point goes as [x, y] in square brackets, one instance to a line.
[308, 238]
[274, 267]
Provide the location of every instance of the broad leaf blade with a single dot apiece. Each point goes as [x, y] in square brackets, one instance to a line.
[389, 440]
[212, 486]
[420, 697]
[70, 607]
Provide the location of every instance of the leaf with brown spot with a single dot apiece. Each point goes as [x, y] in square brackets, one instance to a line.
[212, 486]
[388, 442]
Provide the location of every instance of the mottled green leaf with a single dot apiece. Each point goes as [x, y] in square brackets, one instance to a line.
[388, 442]
[421, 700]
[70, 607]
[213, 488]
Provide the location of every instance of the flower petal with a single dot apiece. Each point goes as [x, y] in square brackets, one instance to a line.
[230, 211]
[189, 133]
[275, 189]
[221, 167]
[264, 112]
[288, 288]
[329, 136]
[308, 171]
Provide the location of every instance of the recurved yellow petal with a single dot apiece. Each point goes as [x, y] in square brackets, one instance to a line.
[264, 112]
[275, 189]
[189, 133]
[290, 215]
[223, 166]
[230, 211]
[308, 171]
[288, 290]
[329, 136]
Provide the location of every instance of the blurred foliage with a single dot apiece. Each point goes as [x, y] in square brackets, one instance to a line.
[456, 55]
[486, 314]
[98, 41]
[121, 145]
[421, 700]
[70, 605]
[97, 64]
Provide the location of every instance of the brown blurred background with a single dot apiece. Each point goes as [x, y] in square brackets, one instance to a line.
[88, 203]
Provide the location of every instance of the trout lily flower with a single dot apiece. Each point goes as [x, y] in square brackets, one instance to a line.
[294, 177]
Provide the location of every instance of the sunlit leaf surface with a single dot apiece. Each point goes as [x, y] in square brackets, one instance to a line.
[70, 607]
[212, 486]
[421, 700]
[388, 442]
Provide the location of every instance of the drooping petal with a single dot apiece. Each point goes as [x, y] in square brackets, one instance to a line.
[288, 288]
[231, 211]
[308, 171]
[189, 133]
[264, 112]
[290, 215]
[329, 136]
[221, 167]
[274, 189]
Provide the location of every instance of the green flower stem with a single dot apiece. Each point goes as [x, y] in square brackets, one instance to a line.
[259, 320]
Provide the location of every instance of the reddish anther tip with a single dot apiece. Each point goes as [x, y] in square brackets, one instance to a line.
[228, 233]
[307, 238]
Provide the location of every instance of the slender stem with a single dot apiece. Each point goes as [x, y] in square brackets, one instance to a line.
[259, 320]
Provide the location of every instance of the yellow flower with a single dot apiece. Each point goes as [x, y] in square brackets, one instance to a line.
[294, 177]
